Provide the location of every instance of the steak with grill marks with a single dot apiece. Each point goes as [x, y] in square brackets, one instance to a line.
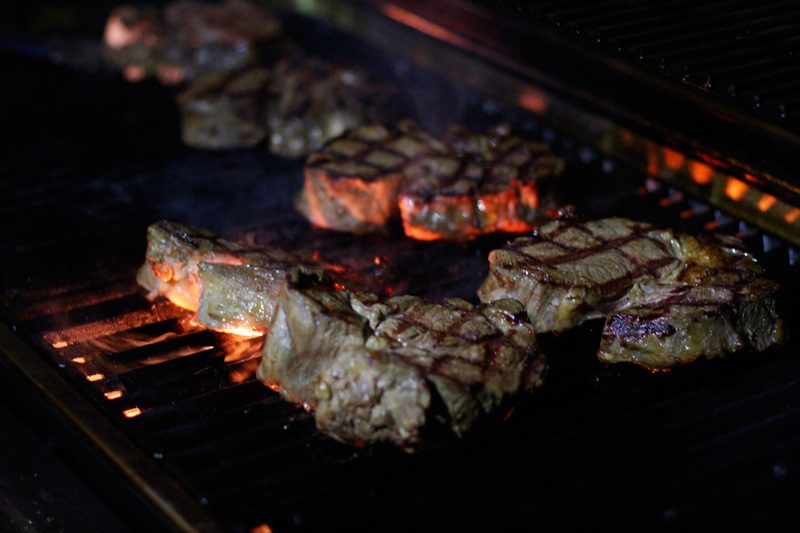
[481, 183]
[717, 302]
[670, 298]
[224, 109]
[351, 183]
[310, 101]
[402, 370]
[232, 286]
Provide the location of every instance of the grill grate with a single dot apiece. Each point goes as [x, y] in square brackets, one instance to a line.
[671, 446]
[741, 51]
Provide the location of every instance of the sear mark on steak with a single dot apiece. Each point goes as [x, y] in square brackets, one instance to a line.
[669, 298]
[480, 183]
[351, 183]
[232, 286]
[396, 370]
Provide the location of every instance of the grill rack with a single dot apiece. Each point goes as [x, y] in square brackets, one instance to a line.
[248, 458]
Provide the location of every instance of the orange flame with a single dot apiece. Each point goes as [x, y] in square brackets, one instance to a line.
[79, 360]
[95, 377]
[113, 395]
[673, 159]
[735, 189]
[60, 344]
[766, 201]
[701, 173]
[132, 412]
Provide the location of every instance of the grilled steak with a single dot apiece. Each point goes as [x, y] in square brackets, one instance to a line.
[567, 273]
[670, 298]
[187, 39]
[717, 302]
[310, 102]
[351, 183]
[481, 183]
[232, 286]
[224, 109]
[399, 370]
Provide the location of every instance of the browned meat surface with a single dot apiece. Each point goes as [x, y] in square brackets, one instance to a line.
[310, 101]
[717, 302]
[186, 39]
[224, 109]
[351, 183]
[401, 370]
[670, 298]
[232, 286]
[481, 183]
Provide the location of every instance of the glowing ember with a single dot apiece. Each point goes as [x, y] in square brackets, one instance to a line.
[113, 395]
[674, 160]
[242, 331]
[377, 260]
[95, 377]
[339, 287]
[701, 173]
[658, 370]
[60, 344]
[132, 412]
[735, 189]
[792, 215]
[263, 528]
[766, 202]
[79, 360]
[709, 226]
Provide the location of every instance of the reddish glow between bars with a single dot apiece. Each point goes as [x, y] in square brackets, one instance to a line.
[735, 189]
[418, 23]
[766, 202]
[674, 160]
[79, 360]
[792, 215]
[533, 100]
[60, 344]
[132, 412]
[701, 173]
[263, 528]
[113, 394]
[95, 377]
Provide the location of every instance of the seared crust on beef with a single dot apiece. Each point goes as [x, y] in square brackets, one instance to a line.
[480, 183]
[232, 285]
[351, 183]
[716, 303]
[670, 298]
[568, 272]
[396, 370]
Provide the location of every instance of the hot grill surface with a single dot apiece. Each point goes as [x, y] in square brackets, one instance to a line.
[92, 166]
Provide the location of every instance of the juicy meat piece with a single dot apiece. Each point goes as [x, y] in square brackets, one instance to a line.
[670, 298]
[311, 101]
[187, 39]
[716, 302]
[481, 183]
[400, 370]
[224, 109]
[351, 183]
[232, 286]
[567, 273]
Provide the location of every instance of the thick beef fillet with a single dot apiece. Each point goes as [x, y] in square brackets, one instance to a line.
[480, 183]
[224, 110]
[717, 302]
[186, 39]
[569, 272]
[669, 298]
[233, 286]
[351, 183]
[310, 101]
[403, 370]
